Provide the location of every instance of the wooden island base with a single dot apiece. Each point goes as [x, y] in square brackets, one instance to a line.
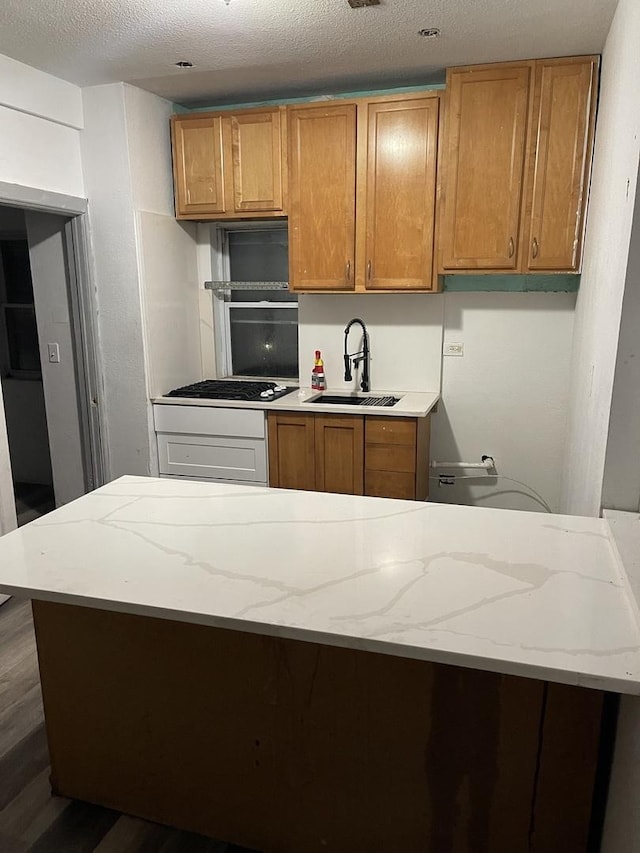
[292, 747]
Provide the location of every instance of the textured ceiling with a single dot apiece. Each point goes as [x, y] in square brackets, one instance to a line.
[258, 48]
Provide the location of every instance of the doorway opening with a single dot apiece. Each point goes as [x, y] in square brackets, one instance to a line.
[21, 374]
[48, 376]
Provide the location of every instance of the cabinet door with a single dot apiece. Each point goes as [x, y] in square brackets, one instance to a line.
[340, 454]
[401, 191]
[561, 144]
[484, 152]
[292, 451]
[322, 186]
[257, 161]
[197, 165]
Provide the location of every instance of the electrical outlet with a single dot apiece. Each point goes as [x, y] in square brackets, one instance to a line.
[453, 349]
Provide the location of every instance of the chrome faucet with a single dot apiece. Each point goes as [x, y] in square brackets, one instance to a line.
[356, 357]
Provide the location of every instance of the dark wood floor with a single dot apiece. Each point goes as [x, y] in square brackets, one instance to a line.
[31, 819]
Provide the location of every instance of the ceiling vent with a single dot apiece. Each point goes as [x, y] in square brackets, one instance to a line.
[360, 4]
[429, 32]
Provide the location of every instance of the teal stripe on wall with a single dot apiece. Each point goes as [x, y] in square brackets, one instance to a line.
[513, 283]
[308, 99]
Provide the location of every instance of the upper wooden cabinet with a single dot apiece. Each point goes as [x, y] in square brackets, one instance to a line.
[230, 165]
[402, 148]
[516, 160]
[363, 188]
[484, 154]
[561, 141]
[197, 165]
[322, 180]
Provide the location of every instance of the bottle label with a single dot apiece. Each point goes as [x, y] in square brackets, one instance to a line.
[318, 381]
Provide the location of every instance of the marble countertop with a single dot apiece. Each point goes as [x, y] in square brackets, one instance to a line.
[412, 404]
[529, 594]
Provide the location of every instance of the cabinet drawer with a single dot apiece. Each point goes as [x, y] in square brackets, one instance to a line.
[390, 484]
[204, 420]
[213, 457]
[390, 430]
[390, 457]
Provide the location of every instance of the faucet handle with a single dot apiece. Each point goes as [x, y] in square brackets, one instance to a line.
[347, 368]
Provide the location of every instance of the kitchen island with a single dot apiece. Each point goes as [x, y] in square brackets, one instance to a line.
[299, 672]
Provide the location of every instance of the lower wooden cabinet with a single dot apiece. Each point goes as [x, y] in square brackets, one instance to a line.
[396, 457]
[292, 451]
[350, 454]
[339, 449]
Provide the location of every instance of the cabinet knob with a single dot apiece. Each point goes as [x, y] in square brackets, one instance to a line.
[369, 270]
[534, 248]
[512, 247]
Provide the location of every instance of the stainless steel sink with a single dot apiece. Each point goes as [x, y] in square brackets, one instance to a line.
[354, 400]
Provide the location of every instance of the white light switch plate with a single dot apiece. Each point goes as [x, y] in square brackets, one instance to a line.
[53, 351]
[453, 349]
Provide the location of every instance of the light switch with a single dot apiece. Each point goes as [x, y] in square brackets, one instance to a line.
[54, 353]
[453, 349]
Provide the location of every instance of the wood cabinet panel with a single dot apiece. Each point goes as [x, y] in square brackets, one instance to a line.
[484, 153]
[327, 453]
[257, 160]
[390, 457]
[380, 430]
[567, 751]
[230, 166]
[390, 484]
[292, 451]
[401, 189]
[322, 158]
[198, 164]
[335, 749]
[561, 144]
[340, 454]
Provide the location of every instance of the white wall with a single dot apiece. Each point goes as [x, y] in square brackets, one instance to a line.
[8, 520]
[166, 248]
[621, 488]
[107, 175]
[506, 397]
[170, 276]
[41, 118]
[28, 90]
[40, 127]
[127, 167]
[599, 305]
[47, 256]
[405, 335]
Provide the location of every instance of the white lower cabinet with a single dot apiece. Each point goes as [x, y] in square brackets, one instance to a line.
[211, 443]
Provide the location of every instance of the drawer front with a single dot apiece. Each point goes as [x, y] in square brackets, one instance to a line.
[390, 430]
[390, 457]
[389, 484]
[205, 420]
[213, 457]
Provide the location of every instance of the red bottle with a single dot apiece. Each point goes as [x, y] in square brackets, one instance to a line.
[318, 379]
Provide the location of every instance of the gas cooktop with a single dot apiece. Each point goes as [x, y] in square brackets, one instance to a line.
[228, 389]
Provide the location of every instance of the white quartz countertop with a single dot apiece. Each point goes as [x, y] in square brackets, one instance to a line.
[543, 596]
[412, 404]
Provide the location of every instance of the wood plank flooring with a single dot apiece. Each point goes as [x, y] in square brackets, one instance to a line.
[33, 820]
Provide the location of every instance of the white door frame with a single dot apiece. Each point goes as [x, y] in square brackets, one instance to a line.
[83, 308]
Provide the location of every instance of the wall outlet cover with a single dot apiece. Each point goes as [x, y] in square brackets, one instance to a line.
[452, 348]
